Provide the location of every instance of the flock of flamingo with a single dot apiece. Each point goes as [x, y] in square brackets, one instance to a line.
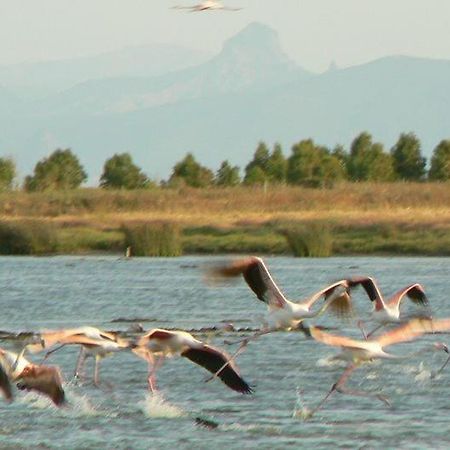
[158, 344]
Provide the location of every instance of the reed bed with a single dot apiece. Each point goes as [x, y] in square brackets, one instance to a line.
[153, 239]
[28, 238]
[310, 240]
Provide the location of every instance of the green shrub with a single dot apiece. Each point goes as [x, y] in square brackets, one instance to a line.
[153, 239]
[27, 238]
[314, 239]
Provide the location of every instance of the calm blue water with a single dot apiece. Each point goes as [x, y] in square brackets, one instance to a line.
[57, 292]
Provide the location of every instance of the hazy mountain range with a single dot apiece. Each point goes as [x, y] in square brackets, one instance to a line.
[160, 102]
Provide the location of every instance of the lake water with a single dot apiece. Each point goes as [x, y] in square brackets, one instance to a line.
[111, 293]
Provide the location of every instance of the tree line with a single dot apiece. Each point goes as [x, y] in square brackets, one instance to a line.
[309, 164]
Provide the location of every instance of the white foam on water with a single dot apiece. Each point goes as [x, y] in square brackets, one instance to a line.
[423, 374]
[76, 404]
[35, 400]
[253, 428]
[154, 405]
[81, 405]
[329, 361]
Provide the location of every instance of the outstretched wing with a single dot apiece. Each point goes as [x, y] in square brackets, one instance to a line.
[414, 292]
[371, 288]
[338, 297]
[337, 341]
[5, 385]
[61, 339]
[213, 360]
[412, 330]
[257, 277]
[44, 379]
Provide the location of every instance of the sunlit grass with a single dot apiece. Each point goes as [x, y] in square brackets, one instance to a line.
[365, 218]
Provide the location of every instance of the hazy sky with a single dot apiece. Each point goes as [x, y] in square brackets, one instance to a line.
[312, 32]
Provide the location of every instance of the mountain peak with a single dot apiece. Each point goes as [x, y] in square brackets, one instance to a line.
[258, 41]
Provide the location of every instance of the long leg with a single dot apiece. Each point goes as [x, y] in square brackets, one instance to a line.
[336, 386]
[153, 366]
[441, 368]
[382, 398]
[232, 358]
[375, 329]
[363, 330]
[252, 337]
[96, 370]
[50, 352]
[80, 362]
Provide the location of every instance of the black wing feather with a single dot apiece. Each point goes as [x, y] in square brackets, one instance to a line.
[213, 360]
[368, 284]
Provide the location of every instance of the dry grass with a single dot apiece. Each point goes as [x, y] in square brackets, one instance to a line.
[365, 217]
[356, 203]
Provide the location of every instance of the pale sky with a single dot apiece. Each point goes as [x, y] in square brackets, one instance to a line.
[312, 32]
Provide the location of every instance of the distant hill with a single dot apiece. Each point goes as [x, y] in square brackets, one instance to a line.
[49, 77]
[221, 108]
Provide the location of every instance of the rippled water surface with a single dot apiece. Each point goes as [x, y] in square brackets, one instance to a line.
[289, 371]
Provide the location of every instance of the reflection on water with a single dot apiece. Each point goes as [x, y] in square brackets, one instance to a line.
[111, 293]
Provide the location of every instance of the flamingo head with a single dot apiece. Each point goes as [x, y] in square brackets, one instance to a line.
[440, 346]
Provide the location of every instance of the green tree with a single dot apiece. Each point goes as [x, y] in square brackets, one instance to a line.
[314, 166]
[276, 167]
[192, 173]
[368, 161]
[7, 174]
[255, 175]
[60, 171]
[119, 172]
[440, 162]
[260, 162]
[407, 159]
[227, 175]
[342, 156]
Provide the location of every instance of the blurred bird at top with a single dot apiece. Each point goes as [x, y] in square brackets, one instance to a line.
[207, 5]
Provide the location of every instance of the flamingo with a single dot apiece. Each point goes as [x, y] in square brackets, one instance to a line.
[357, 352]
[166, 343]
[207, 5]
[388, 311]
[44, 379]
[94, 342]
[283, 313]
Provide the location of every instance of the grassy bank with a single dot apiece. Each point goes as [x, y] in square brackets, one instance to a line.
[392, 218]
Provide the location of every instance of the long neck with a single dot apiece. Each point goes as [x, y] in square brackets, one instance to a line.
[323, 308]
[426, 349]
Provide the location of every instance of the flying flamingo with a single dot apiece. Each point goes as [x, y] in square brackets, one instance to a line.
[207, 5]
[94, 342]
[44, 379]
[157, 344]
[283, 313]
[357, 352]
[388, 311]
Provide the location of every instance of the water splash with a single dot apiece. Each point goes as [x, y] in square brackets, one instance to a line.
[77, 405]
[155, 405]
[34, 400]
[81, 405]
[423, 374]
[328, 361]
[301, 411]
